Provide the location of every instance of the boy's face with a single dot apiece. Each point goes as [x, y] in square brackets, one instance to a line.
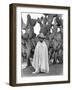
[41, 39]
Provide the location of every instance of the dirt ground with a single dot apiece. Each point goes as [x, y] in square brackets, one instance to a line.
[54, 69]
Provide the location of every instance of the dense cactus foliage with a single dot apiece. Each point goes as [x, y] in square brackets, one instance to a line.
[51, 25]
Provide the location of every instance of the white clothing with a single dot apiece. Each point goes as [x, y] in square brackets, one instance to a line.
[40, 59]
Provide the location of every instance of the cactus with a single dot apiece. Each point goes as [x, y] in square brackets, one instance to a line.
[53, 40]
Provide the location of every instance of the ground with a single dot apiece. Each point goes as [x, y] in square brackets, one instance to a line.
[54, 69]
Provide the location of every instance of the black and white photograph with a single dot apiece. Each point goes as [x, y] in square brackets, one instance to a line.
[41, 44]
[41, 39]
